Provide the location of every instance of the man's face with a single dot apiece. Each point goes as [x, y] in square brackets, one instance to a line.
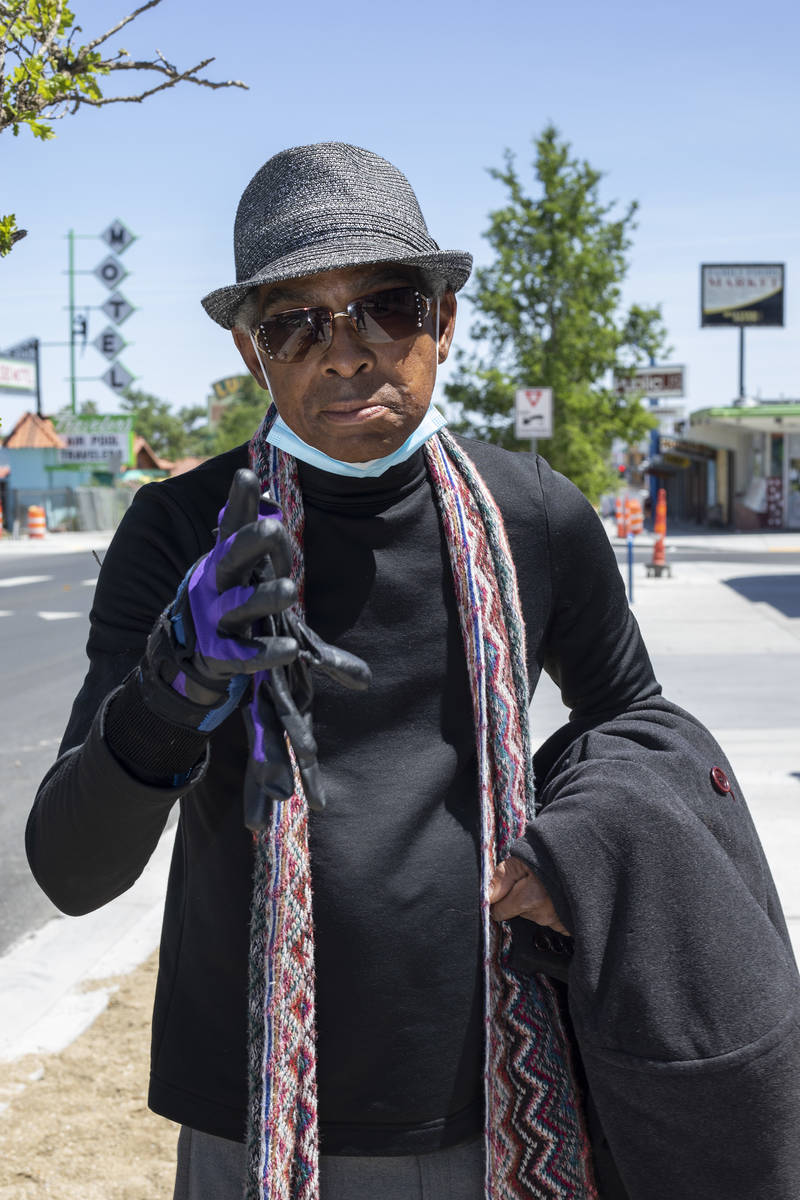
[354, 400]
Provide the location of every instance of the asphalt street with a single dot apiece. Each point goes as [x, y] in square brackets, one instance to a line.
[44, 609]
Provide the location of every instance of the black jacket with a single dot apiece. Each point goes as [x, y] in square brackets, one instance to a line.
[682, 988]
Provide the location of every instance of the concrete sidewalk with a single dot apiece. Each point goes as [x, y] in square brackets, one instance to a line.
[55, 543]
[705, 640]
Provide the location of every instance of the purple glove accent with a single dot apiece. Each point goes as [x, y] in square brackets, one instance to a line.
[208, 606]
[267, 507]
[179, 683]
[257, 747]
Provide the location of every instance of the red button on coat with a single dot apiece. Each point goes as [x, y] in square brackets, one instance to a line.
[720, 781]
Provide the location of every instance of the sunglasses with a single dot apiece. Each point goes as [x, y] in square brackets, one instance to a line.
[387, 316]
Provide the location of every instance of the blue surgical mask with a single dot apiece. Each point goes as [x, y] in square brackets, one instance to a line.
[284, 438]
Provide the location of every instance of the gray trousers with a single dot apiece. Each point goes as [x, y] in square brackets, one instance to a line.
[212, 1168]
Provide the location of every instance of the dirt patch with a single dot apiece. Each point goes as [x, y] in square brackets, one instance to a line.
[77, 1126]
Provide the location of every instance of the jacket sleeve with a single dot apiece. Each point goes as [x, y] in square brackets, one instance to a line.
[683, 991]
[94, 821]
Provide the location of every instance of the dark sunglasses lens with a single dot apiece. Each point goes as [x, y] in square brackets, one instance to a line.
[390, 315]
[288, 337]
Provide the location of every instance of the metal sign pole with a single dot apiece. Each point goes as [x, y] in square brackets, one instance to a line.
[71, 275]
[741, 362]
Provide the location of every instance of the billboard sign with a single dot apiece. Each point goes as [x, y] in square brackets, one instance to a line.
[17, 375]
[533, 413]
[744, 294]
[224, 392]
[669, 382]
[95, 439]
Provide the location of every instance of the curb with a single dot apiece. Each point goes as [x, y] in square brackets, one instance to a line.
[44, 1004]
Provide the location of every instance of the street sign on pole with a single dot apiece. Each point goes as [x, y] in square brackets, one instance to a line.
[117, 377]
[110, 272]
[109, 343]
[118, 237]
[533, 413]
[117, 308]
[663, 382]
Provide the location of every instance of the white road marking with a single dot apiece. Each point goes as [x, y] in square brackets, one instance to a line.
[89, 582]
[22, 580]
[6, 612]
[58, 616]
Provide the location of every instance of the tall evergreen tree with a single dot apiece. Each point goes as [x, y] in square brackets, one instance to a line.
[548, 315]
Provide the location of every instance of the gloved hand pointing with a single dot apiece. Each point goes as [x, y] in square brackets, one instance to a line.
[203, 648]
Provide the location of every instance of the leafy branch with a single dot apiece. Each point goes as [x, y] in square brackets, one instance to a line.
[47, 73]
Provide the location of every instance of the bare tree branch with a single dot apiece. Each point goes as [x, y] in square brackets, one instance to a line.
[98, 41]
[77, 98]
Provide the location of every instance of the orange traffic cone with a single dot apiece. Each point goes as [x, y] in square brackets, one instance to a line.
[658, 564]
[622, 529]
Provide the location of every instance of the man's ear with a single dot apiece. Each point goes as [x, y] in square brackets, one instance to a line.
[447, 323]
[245, 347]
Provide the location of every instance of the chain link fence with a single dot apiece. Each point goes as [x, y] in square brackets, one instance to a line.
[69, 509]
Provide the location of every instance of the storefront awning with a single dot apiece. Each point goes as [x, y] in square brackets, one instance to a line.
[759, 418]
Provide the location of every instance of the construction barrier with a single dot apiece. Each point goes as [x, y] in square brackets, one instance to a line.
[36, 522]
[658, 564]
[622, 530]
[634, 517]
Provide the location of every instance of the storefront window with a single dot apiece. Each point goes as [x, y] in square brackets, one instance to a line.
[793, 482]
[776, 455]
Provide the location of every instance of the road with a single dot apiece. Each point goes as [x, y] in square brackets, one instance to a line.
[44, 609]
[724, 635]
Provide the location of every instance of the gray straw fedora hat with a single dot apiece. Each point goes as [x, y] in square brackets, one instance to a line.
[326, 207]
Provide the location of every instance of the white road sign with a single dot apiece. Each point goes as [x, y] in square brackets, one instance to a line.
[117, 377]
[110, 272]
[533, 412]
[109, 342]
[117, 237]
[117, 308]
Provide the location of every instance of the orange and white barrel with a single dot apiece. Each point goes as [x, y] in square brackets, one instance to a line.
[634, 517]
[36, 522]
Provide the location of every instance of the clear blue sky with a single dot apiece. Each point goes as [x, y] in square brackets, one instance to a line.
[690, 108]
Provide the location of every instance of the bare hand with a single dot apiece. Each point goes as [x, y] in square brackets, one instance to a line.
[516, 892]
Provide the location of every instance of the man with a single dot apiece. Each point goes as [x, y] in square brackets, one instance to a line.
[371, 995]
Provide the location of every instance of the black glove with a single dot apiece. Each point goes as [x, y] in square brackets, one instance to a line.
[203, 648]
[281, 702]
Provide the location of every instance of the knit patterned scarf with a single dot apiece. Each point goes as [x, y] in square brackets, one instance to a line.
[536, 1143]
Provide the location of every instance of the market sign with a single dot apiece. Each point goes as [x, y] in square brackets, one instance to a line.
[17, 375]
[95, 439]
[666, 382]
[744, 294]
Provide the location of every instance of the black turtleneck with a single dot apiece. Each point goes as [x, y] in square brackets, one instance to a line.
[394, 857]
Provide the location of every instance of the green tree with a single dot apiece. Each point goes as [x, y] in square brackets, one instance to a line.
[46, 71]
[161, 427]
[242, 416]
[548, 315]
